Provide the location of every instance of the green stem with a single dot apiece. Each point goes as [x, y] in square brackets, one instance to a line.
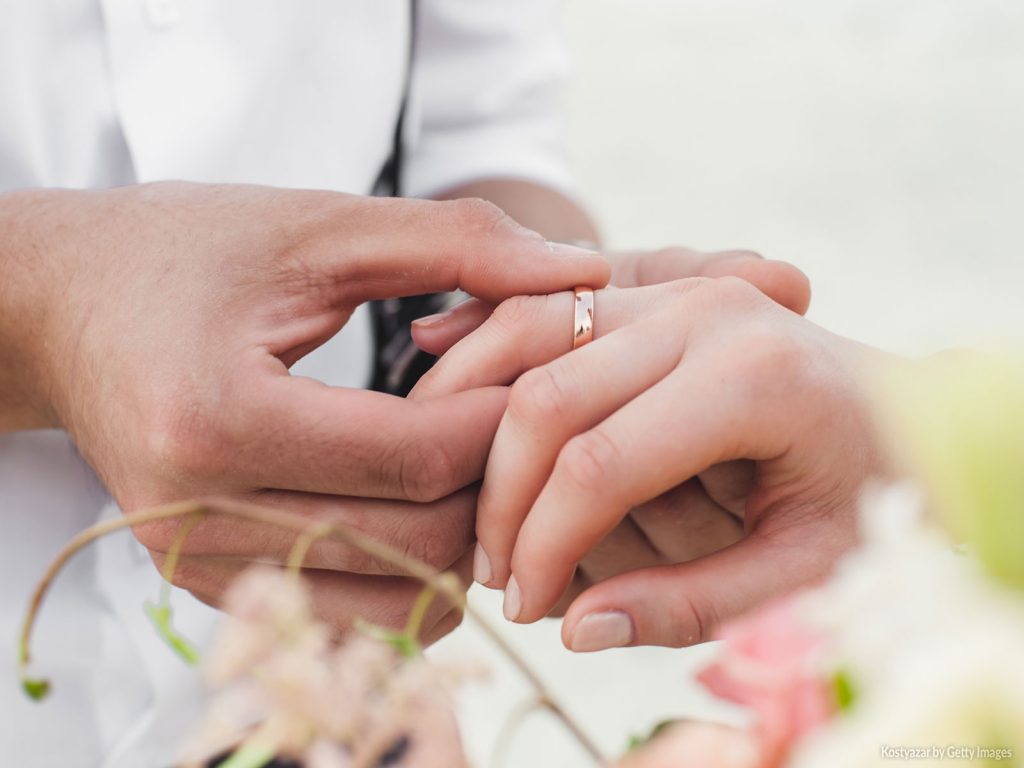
[418, 612]
[445, 584]
[249, 756]
[302, 545]
[174, 554]
[161, 614]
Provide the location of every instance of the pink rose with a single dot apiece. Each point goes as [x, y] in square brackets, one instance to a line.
[768, 663]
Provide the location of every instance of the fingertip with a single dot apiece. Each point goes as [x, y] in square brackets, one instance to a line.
[537, 590]
[482, 571]
[659, 612]
[490, 563]
[512, 605]
[436, 334]
[432, 339]
[599, 631]
[801, 295]
[787, 285]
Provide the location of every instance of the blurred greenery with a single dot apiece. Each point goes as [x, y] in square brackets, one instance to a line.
[637, 740]
[844, 690]
[959, 420]
[161, 616]
[37, 690]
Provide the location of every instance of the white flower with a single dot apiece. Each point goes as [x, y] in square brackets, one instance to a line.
[933, 647]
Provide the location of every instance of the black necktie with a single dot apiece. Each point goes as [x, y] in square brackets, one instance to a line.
[398, 362]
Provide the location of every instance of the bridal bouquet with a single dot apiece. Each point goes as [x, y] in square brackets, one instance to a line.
[913, 651]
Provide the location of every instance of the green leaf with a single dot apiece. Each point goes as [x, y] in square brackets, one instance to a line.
[37, 690]
[846, 694]
[161, 615]
[249, 756]
[636, 740]
[406, 645]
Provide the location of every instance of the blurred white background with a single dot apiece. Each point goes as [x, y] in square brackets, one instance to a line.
[874, 143]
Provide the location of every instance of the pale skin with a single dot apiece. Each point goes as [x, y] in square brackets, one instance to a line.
[702, 395]
[157, 323]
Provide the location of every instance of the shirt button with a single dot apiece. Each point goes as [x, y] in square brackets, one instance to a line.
[162, 13]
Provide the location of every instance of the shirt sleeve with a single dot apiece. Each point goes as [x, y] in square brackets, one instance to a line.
[486, 95]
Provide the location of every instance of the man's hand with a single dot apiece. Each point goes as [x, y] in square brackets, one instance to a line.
[157, 325]
[702, 386]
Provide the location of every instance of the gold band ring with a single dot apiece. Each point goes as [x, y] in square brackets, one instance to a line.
[583, 319]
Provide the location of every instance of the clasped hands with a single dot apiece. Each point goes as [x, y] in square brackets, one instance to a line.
[700, 454]
[704, 453]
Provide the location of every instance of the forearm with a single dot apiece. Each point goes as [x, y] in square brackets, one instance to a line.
[535, 206]
[22, 402]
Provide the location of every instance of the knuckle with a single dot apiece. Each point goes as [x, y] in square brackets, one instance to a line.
[438, 544]
[769, 351]
[688, 285]
[589, 460]
[735, 290]
[715, 296]
[426, 471]
[518, 311]
[335, 556]
[447, 624]
[479, 215]
[696, 619]
[394, 613]
[184, 443]
[538, 397]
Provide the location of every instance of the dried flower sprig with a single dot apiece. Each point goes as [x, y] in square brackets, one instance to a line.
[161, 614]
[285, 689]
[443, 584]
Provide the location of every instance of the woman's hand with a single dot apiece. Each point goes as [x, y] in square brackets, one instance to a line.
[779, 280]
[654, 533]
[699, 381]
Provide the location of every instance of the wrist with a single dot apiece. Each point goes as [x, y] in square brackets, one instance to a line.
[24, 373]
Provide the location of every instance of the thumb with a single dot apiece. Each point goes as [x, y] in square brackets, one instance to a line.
[408, 247]
[681, 605]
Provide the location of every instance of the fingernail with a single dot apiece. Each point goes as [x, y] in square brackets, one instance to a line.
[571, 251]
[481, 566]
[429, 321]
[609, 629]
[513, 605]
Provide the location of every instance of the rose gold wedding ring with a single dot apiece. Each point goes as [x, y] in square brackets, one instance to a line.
[583, 321]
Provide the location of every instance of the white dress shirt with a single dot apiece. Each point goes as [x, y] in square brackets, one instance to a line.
[304, 93]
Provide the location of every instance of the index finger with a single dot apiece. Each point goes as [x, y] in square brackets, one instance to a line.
[301, 435]
[400, 247]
